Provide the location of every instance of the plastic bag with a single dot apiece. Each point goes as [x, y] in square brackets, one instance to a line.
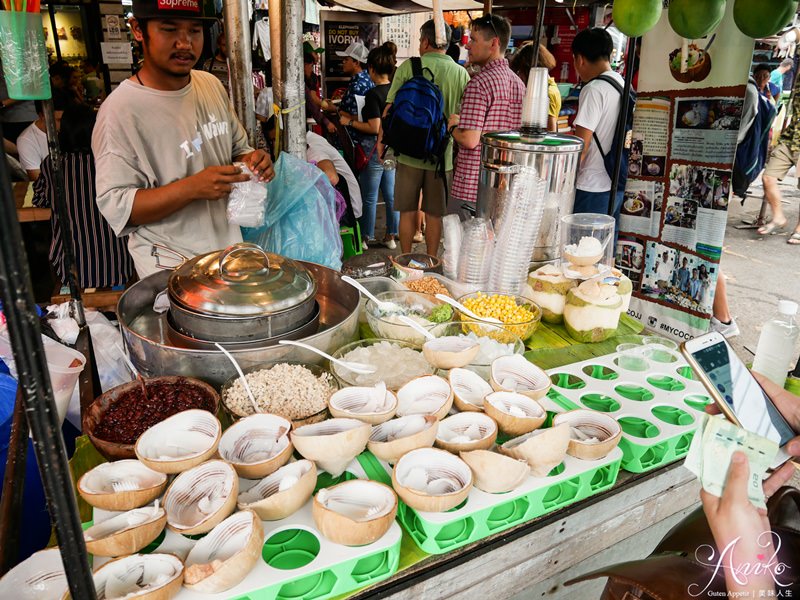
[300, 220]
[246, 204]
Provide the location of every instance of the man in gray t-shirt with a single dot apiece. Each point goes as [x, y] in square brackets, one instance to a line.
[165, 141]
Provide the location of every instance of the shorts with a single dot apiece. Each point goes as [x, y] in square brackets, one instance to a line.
[780, 161]
[408, 183]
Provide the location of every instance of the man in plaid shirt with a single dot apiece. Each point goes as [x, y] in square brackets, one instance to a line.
[492, 102]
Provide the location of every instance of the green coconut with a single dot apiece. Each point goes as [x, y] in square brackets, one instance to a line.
[594, 329]
[598, 334]
[636, 17]
[762, 18]
[694, 19]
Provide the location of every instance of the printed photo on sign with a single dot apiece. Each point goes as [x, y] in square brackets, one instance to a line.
[649, 138]
[680, 278]
[630, 258]
[705, 129]
[697, 201]
[641, 207]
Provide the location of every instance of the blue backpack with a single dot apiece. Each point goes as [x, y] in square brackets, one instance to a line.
[415, 124]
[609, 157]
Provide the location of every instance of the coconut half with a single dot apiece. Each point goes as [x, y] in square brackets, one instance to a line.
[592, 434]
[515, 413]
[39, 576]
[543, 449]
[466, 431]
[200, 498]
[426, 395]
[450, 352]
[121, 485]
[126, 533]
[431, 480]
[391, 440]
[469, 389]
[139, 576]
[354, 513]
[517, 374]
[332, 444]
[179, 442]
[587, 252]
[282, 493]
[549, 289]
[495, 473]
[257, 445]
[373, 405]
[224, 557]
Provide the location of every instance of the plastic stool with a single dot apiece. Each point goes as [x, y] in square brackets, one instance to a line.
[351, 241]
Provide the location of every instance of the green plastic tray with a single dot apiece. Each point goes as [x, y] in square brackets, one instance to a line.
[657, 405]
[297, 562]
[483, 514]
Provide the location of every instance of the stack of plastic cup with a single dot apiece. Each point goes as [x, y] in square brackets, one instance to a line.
[517, 228]
[536, 102]
[477, 244]
[451, 232]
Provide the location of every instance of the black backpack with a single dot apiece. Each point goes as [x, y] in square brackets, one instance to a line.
[415, 124]
[610, 156]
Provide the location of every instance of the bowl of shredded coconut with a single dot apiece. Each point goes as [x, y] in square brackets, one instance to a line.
[296, 391]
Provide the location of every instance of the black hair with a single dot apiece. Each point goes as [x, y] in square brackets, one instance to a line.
[382, 60]
[428, 32]
[593, 44]
[62, 99]
[762, 67]
[61, 69]
[522, 60]
[494, 26]
[76, 128]
[143, 26]
[308, 58]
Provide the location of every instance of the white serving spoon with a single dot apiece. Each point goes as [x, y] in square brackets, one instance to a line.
[355, 367]
[236, 366]
[416, 327]
[445, 352]
[457, 305]
[382, 304]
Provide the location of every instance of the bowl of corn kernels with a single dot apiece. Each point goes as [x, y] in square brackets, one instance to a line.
[520, 315]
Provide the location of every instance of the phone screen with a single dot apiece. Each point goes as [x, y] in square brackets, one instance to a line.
[742, 393]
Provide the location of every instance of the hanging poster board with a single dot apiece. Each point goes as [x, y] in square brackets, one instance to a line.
[338, 35]
[673, 217]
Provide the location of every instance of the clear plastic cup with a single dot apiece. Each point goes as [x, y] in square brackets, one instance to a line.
[633, 357]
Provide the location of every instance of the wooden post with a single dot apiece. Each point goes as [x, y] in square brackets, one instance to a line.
[487, 6]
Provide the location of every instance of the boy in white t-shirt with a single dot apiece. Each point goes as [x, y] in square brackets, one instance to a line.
[598, 108]
[32, 142]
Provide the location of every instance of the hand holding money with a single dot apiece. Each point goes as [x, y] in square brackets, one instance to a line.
[712, 449]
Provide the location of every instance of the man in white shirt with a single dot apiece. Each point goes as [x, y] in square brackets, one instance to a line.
[32, 142]
[596, 120]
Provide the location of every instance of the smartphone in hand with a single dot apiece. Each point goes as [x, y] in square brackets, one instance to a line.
[737, 393]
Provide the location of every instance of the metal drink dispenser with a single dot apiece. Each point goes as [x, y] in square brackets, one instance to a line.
[555, 157]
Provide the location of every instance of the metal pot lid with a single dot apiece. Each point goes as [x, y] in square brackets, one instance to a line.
[552, 142]
[242, 280]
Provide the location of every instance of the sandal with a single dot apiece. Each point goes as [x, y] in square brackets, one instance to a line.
[794, 239]
[772, 228]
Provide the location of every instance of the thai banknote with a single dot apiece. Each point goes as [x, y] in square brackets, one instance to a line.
[710, 453]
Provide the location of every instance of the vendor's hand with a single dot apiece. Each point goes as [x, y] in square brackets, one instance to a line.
[331, 127]
[453, 121]
[259, 162]
[214, 183]
[736, 522]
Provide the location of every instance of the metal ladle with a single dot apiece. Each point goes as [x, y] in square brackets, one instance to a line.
[382, 304]
[246, 385]
[355, 367]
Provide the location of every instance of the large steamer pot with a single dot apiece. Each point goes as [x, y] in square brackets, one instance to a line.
[240, 294]
[155, 353]
[555, 157]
